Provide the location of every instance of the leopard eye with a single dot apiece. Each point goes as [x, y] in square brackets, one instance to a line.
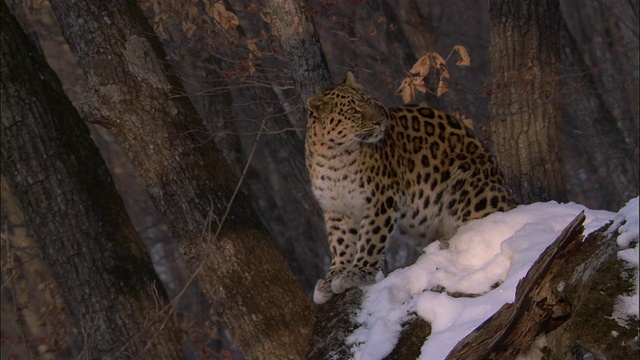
[351, 111]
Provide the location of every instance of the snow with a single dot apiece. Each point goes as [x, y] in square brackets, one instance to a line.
[486, 257]
[626, 222]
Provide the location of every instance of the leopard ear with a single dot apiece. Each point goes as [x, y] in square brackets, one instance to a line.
[349, 78]
[318, 104]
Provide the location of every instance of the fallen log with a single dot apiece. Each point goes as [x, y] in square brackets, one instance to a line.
[566, 300]
[568, 296]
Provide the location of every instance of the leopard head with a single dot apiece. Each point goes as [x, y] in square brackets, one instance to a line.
[347, 115]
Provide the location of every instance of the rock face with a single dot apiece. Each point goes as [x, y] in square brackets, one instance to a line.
[569, 294]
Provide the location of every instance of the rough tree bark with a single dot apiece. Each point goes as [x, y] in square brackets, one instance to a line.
[35, 321]
[240, 111]
[526, 127]
[134, 94]
[77, 217]
[279, 161]
[279, 183]
[600, 93]
[292, 22]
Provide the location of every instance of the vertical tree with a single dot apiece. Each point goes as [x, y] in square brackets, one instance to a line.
[292, 21]
[257, 119]
[35, 320]
[526, 127]
[75, 213]
[136, 95]
[601, 103]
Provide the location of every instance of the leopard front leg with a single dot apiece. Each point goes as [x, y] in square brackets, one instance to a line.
[376, 227]
[343, 237]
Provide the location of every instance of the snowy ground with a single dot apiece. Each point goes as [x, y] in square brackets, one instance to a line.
[498, 249]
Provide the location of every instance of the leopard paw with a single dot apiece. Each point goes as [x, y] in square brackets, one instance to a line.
[322, 292]
[351, 278]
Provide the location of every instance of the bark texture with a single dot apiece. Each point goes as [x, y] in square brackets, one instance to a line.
[293, 24]
[256, 120]
[75, 213]
[526, 125]
[32, 305]
[135, 95]
[600, 90]
[335, 321]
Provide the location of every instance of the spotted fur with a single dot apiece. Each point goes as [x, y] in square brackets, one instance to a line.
[380, 172]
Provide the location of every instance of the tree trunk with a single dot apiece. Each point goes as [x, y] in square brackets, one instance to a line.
[600, 93]
[526, 127]
[257, 131]
[134, 94]
[280, 185]
[292, 22]
[77, 217]
[35, 321]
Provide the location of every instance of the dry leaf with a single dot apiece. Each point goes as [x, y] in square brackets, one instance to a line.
[442, 87]
[403, 84]
[406, 90]
[421, 87]
[251, 64]
[422, 66]
[221, 15]
[208, 8]
[465, 59]
[418, 82]
[189, 13]
[226, 18]
[188, 27]
[265, 14]
[441, 64]
[159, 27]
[466, 121]
[251, 44]
[157, 6]
[192, 11]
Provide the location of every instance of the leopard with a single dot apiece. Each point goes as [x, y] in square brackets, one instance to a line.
[382, 172]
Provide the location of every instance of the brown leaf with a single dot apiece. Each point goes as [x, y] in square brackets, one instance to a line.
[441, 64]
[466, 121]
[421, 87]
[403, 84]
[192, 11]
[372, 30]
[221, 15]
[159, 27]
[188, 27]
[442, 87]
[251, 44]
[422, 66]
[418, 81]
[465, 59]
[406, 90]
